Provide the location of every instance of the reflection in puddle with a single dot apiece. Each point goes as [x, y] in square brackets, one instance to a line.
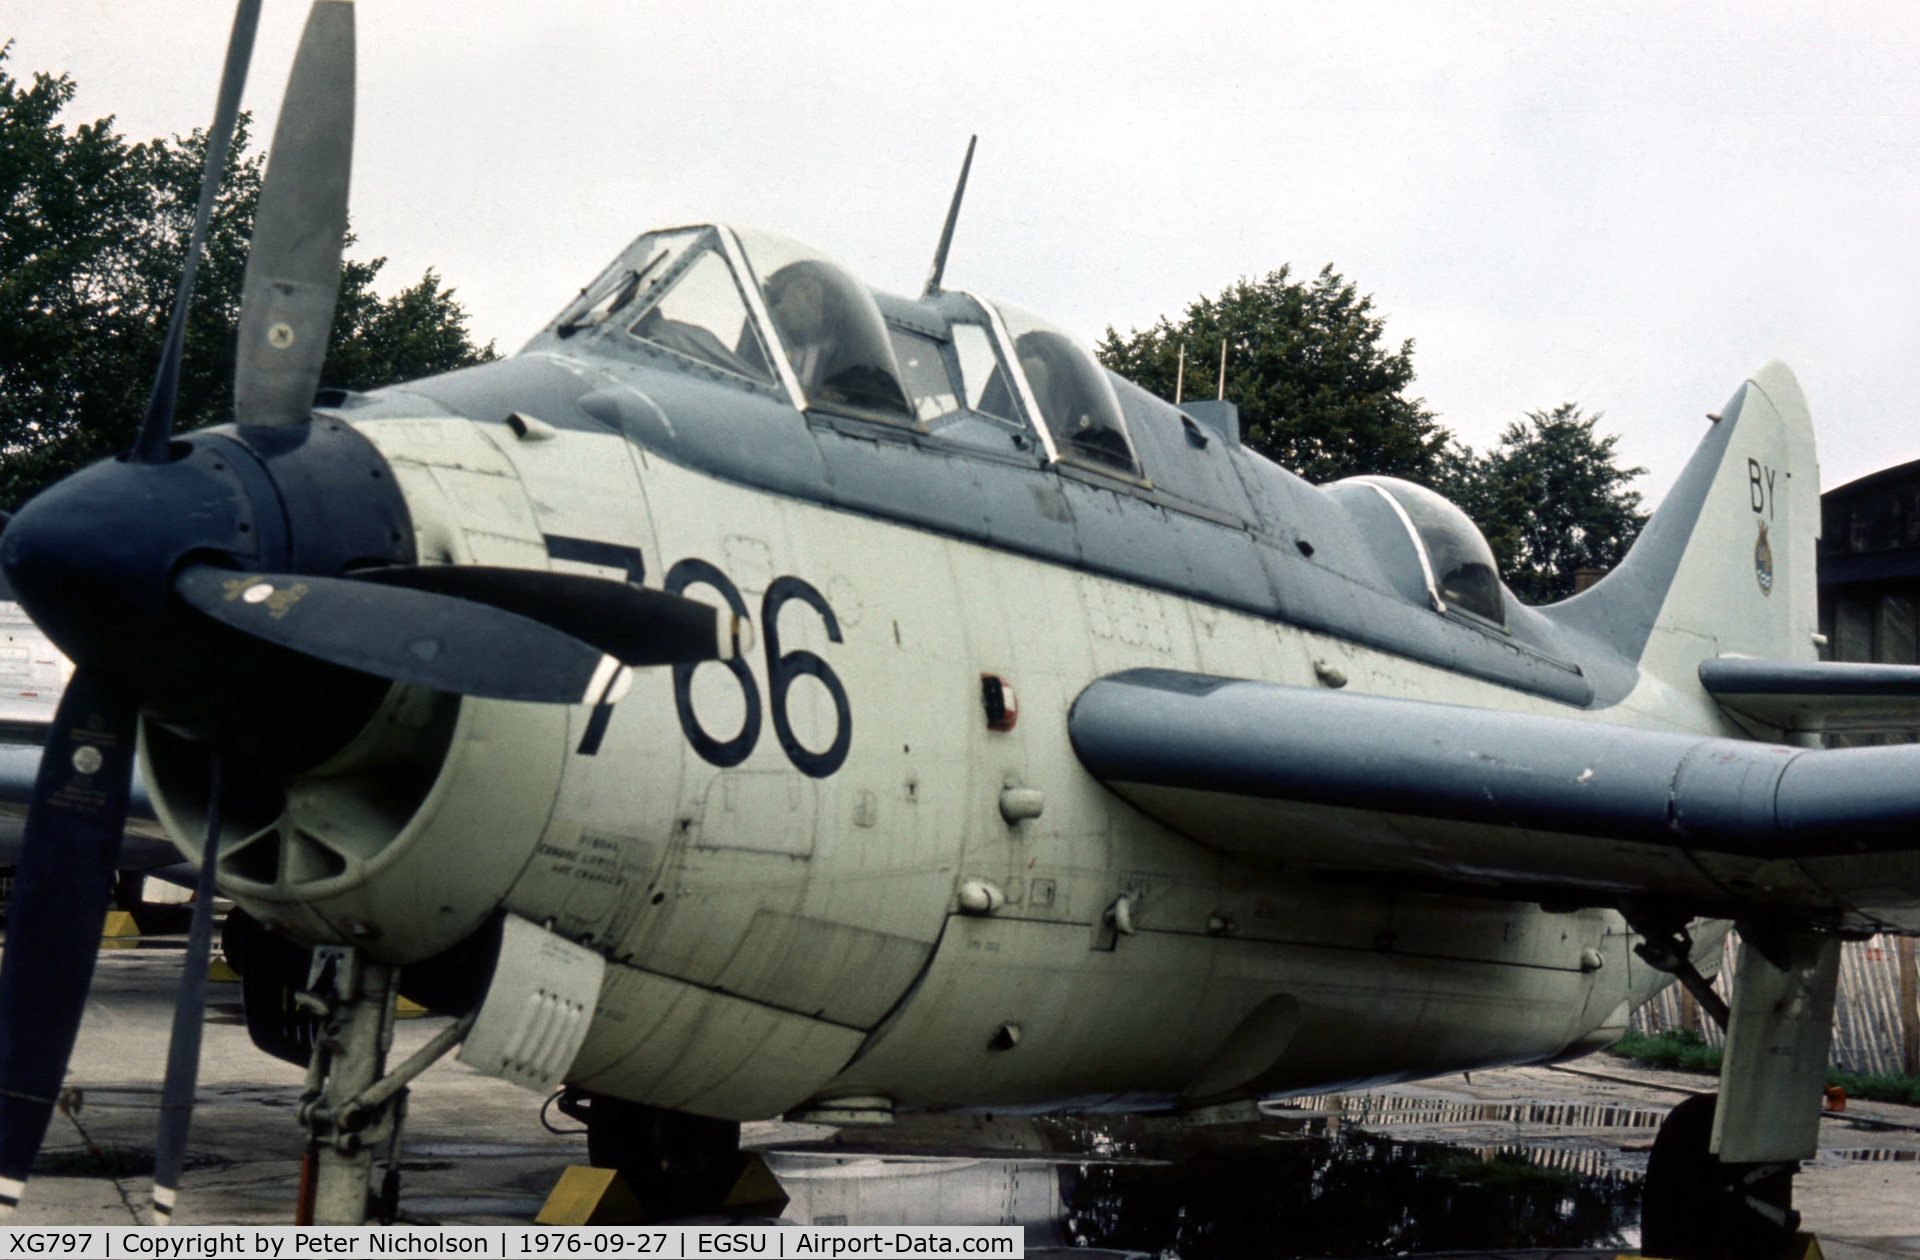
[1298, 1185]
[1873, 1155]
[1376, 1110]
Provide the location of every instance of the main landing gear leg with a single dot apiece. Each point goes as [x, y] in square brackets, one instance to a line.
[1720, 1179]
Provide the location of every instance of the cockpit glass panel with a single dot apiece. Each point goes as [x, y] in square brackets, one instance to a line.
[703, 317]
[1075, 398]
[628, 284]
[924, 368]
[985, 381]
[1464, 573]
[830, 327]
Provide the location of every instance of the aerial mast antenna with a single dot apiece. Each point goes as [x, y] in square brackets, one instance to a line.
[1223, 369]
[953, 216]
[1180, 375]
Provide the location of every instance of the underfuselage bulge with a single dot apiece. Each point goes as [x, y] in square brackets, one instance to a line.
[890, 855]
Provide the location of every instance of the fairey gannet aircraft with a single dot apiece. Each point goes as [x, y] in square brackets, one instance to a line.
[762, 695]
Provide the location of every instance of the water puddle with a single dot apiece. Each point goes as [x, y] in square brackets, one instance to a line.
[110, 1160]
[1871, 1155]
[1306, 1184]
[1379, 1111]
[473, 1150]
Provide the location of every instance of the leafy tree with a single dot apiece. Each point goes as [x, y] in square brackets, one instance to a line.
[1551, 499]
[93, 233]
[1318, 392]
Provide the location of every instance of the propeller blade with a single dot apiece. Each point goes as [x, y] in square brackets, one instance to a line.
[156, 427]
[638, 626]
[189, 1016]
[408, 636]
[61, 890]
[293, 273]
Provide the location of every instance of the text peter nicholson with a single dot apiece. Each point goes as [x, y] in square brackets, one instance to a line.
[509, 1242]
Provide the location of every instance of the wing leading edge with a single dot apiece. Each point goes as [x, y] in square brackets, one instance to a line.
[1815, 695]
[1333, 782]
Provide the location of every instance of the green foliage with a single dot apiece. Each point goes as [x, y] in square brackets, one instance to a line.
[1551, 498]
[93, 232]
[1893, 1087]
[1318, 393]
[1678, 1050]
[1683, 1050]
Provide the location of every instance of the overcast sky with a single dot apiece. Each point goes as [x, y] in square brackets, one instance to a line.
[1625, 205]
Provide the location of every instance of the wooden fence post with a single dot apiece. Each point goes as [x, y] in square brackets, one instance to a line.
[1909, 1006]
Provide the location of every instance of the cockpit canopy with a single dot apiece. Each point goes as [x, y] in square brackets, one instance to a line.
[1430, 548]
[830, 326]
[750, 304]
[1072, 393]
[768, 312]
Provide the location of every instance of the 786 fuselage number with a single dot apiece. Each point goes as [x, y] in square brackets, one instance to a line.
[783, 670]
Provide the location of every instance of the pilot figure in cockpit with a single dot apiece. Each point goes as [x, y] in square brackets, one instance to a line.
[798, 299]
[837, 346]
[1069, 401]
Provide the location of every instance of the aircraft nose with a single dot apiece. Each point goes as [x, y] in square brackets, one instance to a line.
[92, 558]
[96, 560]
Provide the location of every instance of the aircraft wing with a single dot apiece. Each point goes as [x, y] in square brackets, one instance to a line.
[1816, 695]
[1332, 783]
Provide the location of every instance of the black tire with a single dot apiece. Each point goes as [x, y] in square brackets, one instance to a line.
[127, 887]
[272, 969]
[1695, 1208]
[676, 1163]
[1682, 1178]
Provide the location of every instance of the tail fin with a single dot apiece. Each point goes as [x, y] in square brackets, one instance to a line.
[1726, 565]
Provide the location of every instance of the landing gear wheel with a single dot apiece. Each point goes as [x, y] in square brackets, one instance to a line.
[675, 1163]
[127, 889]
[1697, 1208]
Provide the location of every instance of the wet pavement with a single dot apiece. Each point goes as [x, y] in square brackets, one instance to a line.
[1520, 1159]
[1273, 1187]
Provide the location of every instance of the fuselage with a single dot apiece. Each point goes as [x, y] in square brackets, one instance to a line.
[819, 873]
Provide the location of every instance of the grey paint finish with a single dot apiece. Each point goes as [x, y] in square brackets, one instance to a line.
[1218, 523]
[1732, 676]
[1217, 414]
[1549, 774]
[1621, 609]
[1815, 695]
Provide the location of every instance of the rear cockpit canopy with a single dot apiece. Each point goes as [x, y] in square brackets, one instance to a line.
[1072, 394]
[769, 313]
[1431, 550]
